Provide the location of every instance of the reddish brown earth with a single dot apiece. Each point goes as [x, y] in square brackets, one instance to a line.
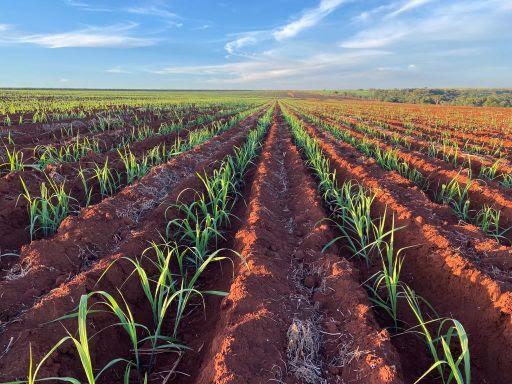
[439, 172]
[30, 134]
[285, 291]
[27, 136]
[55, 272]
[483, 136]
[417, 144]
[14, 219]
[286, 278]
[26, 141]
[458, 270]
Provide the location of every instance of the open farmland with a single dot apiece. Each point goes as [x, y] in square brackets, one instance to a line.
[251, 237]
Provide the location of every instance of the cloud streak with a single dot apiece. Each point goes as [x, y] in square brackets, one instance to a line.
[309, 19]
[86, 6]
[272, 67]
[460, 21]
[114, 36]
[408, 6]
[117, 70]
[153, 10]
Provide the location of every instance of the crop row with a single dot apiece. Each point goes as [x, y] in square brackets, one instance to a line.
[111, 135]
[454, 267]
[216, 192]
[478, 204]
[50, 197]
[27, 106]
[491, 163]
[460, 121]
[372, 239]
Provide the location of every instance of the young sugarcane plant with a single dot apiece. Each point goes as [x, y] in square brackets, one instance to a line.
[457, 197]
[506, 180]
[47, 210]
[352, 216]
[134, 170]
[168, 294]
[388, 279]
[14, 161]
[488, 219]
[108, 182]
[82, 174]
[490, 172]
[450, 367]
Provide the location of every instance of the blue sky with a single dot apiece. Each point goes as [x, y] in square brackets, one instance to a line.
[264, 44]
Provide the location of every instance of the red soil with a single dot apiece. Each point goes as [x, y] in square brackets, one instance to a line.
[14, 219]
[57, 271]
[477, 162]
[440, 172]
[30, 134]
[465, 123]
[287, 278]
[461, 273]
[286, 284]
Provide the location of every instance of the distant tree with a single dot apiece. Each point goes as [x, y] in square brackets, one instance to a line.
[473, 97]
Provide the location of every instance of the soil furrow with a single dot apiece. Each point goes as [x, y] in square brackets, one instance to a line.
[477, 162]
[454, 267]
[439, 172]
[14, 219]
[412, 113]
[288, 287]
[29, 135]
[123, 223]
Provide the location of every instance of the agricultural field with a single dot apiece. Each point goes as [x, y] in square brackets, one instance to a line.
[253, 237]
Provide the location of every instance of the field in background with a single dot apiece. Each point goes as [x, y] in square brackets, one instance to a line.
[233, 237]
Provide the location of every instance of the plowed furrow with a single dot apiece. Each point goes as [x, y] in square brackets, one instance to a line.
[438, 172]
[288, 286]
[477, 163]
[461, 138]
[481, 135]
[14, 219]
[110, 138]
[84, 245]
[28, 135]
[453, 267]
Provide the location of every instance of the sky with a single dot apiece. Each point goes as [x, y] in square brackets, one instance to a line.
[263, 44]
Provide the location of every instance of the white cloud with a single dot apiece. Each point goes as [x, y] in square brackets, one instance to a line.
[76, 3]
[368, 15]
[460, 21]
[86, 6]
[153, 10]
[308, 19]
[249, 38]
[273, 67]
[63, 80]
[377, 37]
[115, 36]
[408, 6]
[117, 70]
[397, 68]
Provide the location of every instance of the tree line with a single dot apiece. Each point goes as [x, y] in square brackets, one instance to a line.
[472, 97]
